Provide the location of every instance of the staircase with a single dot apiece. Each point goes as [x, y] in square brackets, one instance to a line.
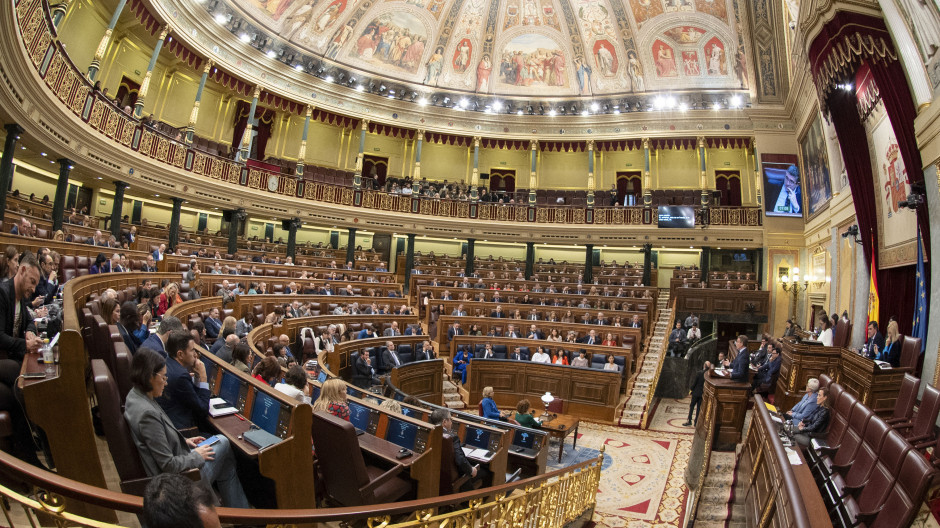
[636, 405]
[714, 505]
[452, 398]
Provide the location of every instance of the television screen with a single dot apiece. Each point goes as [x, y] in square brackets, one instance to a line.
[321, 377]
[523, 439]
[476, 437]
[401, 433]
[407, 411]
[359, 416]
[741, 257]
[782, 191]
[265, 412]
[228, 389]
[314, 393]
[676, 216]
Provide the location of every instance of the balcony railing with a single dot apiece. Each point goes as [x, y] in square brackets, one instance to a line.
[72, 88]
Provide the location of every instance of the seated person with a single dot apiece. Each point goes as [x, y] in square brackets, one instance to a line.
[488, 408]
[162, 448]
[461, 360]
[519, 355]
[185, 399]
[580, 361]
[611, 365]
[525, 414]
[173, 501]
[766, 376]
[816, 423]
[476, 473]
[540, 356]
[677, 340]
[805, 407]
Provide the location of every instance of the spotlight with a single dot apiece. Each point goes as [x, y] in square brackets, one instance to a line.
[382, 88]
[594, 107]
[585, 112]
[299, 67]
[683, 107]
[735, 101]
[659, 102]
[244, 37]
[716, 106]
[463, 103]
[552, 112]
[670, 102]
[359, 87]
[328, 78]
[497, 106]
[422, 101]
[519, 112]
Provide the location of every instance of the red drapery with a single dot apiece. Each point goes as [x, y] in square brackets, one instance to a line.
[264, 116]
[847, 43]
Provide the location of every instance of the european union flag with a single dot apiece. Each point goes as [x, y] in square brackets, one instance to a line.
[920, 306]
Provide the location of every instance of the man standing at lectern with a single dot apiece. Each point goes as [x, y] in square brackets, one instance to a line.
[739, 367]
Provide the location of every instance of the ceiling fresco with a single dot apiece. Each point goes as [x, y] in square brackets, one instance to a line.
[541, 48]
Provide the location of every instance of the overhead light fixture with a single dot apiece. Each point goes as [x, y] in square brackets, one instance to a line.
[735, 101]
[299, 67]
[328, 78]
[360, 87]
[497, 106]
[552, 112]
[271, 54]
[220, 18]
[716, 106]
[594, 107]
[244, 37]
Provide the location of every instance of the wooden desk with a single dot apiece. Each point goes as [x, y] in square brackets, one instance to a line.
[59, 405]
[724, 406]
[798, 363]
[422, 379]
[776, 491]
[590, 350]
[744, 306]
[560, 426]
[589, 393]
[877, 388]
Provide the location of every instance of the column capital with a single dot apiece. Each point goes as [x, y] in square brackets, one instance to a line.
[701, 141]
[533, 144]
[65, 163]
[257, 92]
[178, 201]
[164, 32]
[420, 134]
[590, 144]
[476, 141]
[310, 109]
[646, 143]
[15, 129]
[208, 67]
[365, 125]
[119, 185]
[411, 236]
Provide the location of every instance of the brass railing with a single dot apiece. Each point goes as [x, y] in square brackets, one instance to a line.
[659, 368]
[67, 83]
[553, 500]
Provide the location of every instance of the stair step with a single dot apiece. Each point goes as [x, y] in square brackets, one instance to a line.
[459, 404]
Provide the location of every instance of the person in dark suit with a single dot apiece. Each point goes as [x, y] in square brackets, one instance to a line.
[535, 333]
[161, 446]
[511, 332]
[591, 338]
[739, 367]
[476, 473]
[425, 352]
[698, 388]
[213, 323]
[454, 330]
[365, 371]
[816, 423]
[635, 323]
[677, 340]
[172, 501]
[390, 357]
[186, 398]
[48, 286]
[157, 340]
[498, 312]
[767, 373]
[875, 342]
[519, 355]
[18, 337]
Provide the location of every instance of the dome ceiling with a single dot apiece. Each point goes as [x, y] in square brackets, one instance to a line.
[541, 48]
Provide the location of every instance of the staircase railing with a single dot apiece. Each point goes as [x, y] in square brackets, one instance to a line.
[552, 500]
[659, 367]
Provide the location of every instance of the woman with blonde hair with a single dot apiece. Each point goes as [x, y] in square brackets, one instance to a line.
[333, 399]
[168, 298]
[59, 236]
[488, 408]
[391, 406]
[228, 323]
[892, 351]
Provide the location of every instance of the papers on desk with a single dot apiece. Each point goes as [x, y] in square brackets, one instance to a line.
[776, 419]
[219, 407]
[883, 364]
[794, 457]
[770, 407]
[478, 454]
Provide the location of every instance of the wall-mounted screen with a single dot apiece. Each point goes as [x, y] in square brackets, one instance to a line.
[783, 195]
[676, 216]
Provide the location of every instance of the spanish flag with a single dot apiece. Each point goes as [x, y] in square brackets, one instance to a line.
[873, 303]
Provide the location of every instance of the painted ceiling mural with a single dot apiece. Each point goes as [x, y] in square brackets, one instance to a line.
[522, 47]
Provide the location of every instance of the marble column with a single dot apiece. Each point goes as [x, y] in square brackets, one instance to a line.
[245, 149]
[58, 12]
[703, 174]
[588, 263]
[419, 142]
[145, 86]
[6, 164]
[468, 267]
[194, 115]
[351, 245]
[61, 193]
[302, 153]
[117, 208]
[475, 174]
[103, 45]
[237, 216]
[529, 260]
[647, 263]
[534, 158]
[357, 176]
[590, 178]
[175, 223]
[293, 226]
[409, 261]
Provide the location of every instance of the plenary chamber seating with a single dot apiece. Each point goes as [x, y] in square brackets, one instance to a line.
[873, 472]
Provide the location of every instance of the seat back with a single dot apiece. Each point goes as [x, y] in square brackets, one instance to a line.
[824, 382]
[910, 352]
[344, 470]
[118, 434]
[852, 439]
[927, 413]
[904, 406]
[864, 463]
[906, 495]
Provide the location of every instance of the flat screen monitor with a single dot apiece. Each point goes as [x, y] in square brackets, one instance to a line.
[353, 391]
[401, 433]
[676, 216]
[476, 437]
[314, 393]
[741, 257]
[228, 389]
[523, 439]
[266, 412]
[321, 377]
[410, 412]
[782, 192]
[359, 416]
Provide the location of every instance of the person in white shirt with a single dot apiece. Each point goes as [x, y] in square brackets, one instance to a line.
[694, 333]
[825, 337]
[540, 356]
[295, 384]
[610, 365]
